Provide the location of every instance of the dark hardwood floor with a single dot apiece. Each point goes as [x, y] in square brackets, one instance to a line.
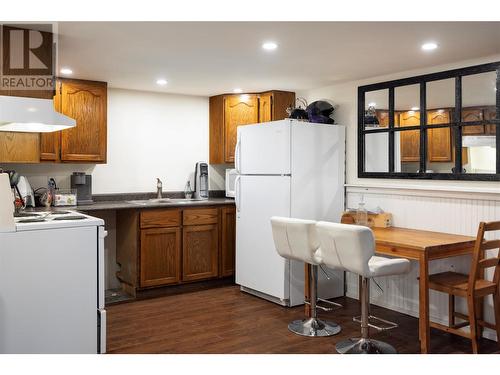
[225, 320]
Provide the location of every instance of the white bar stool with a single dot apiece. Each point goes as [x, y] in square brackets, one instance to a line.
[353, 247]
[296, 239]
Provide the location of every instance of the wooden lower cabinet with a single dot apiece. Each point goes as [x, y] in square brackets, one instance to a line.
[161, 247]
[160, 256]
[200, 248]
[228, 241]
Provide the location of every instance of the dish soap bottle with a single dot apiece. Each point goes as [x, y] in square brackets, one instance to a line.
[188, 192]
[361, 213]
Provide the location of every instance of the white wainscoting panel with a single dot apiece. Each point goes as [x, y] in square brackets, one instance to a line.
[424, 210]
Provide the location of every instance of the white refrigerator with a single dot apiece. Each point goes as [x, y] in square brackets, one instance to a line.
[292, 169]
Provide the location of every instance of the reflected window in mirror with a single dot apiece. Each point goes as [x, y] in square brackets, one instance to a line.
[456, 138]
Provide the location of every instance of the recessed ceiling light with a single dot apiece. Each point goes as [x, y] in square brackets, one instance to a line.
[415, 108]
[372, 104]
[237, 91]
[66, 71]
[161, 82]
[269, 46]
[429, 46]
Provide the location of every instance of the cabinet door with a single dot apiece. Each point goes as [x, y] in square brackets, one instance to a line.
[281, 101]
[439, 140]
[19, 147]
[228, 241]
[410, 140]
[50, 142]
[160, 256]
[85, 102]
[200, 248]
[472, 115]
[22, 147]
[238, 110]
[265, 107]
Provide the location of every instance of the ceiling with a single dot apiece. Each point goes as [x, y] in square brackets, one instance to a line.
[208, 58]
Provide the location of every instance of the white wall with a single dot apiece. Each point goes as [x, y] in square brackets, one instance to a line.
[344, 96]
[149, 135]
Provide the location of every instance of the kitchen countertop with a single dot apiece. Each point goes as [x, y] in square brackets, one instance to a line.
[120, 205]
[122, 202]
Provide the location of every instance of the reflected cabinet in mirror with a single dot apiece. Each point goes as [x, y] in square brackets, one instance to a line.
[443, 125]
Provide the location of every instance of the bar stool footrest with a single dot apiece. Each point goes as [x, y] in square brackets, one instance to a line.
[334, 305]
[377, 323]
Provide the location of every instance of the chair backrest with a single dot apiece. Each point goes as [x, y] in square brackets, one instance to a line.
[480, 259]
[345, 245]
[295, 238]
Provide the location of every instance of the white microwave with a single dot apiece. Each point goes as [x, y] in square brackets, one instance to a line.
[230, 182]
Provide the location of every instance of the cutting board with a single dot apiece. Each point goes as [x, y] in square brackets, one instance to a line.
[7, 223]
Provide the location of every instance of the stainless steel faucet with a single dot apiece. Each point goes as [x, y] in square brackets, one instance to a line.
[159, 187]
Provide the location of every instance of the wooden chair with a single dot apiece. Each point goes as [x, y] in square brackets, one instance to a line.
[474, 287]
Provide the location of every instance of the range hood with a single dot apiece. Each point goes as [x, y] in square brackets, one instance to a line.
[478, 141]
[32, 115]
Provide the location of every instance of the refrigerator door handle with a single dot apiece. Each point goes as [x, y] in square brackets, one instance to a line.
[237, 198]
[237, 157]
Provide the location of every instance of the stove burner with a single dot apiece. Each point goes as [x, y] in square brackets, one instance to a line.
[33, 220]
[60, 212]
[26, 214]
[69, 218]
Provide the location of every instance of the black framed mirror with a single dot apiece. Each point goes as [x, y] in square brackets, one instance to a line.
[443, 125]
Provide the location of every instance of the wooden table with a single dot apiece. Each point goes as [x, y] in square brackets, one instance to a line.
[422, 246]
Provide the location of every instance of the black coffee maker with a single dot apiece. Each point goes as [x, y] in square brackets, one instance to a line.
[82, 183]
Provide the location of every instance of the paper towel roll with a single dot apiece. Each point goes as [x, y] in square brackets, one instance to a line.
[7, 223]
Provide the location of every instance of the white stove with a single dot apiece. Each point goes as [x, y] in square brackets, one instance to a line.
[52, 284]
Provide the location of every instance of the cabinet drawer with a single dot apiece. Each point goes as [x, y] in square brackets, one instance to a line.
[160, 218]
[200, 216]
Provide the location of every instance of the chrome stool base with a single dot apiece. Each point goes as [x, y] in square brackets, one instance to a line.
[314, 327]
[364, 346]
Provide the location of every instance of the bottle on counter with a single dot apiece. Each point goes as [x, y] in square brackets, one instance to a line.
[188, 192]
[361, 214]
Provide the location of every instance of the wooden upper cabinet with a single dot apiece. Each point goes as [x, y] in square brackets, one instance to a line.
[238, 110]
[265, 107]
[50, 143]
[439, 140]
[281, 101]
[410, 139]
[86, 102]
[474, 114]
[22, 147]
[227, 112]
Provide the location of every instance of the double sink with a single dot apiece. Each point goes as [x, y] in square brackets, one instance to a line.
[155, 201]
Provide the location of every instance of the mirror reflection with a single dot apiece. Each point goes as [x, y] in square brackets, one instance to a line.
[407, 113]
[478, 147]
[376, 109]
[377, 152]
